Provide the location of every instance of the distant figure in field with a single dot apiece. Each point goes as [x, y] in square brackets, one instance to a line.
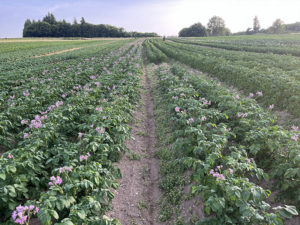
[150, 40]
[164, 38]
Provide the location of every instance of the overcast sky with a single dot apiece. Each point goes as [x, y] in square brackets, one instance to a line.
[166, 17]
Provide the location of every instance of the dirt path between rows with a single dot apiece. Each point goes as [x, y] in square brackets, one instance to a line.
[68, 50]
[134, 201]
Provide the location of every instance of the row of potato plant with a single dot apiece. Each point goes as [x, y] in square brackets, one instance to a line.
[249, 59]
[154, 55]
[277, 88]
[282, 50]
[23, 97]
[65, 166]
[212, 129]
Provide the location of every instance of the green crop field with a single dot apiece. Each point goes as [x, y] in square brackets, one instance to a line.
[186, 131]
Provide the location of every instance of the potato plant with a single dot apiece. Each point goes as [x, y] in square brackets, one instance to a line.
[64, 160]
[213, 132]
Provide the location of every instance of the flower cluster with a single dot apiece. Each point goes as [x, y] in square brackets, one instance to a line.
[217, 175]
[37, 122]
[102, 130]
[10, 156]
[242, 115]
[177, 109]
[259, 93]
[24, 121]
[190, 120]
[174, 97]
[203, 118]
[82, 157]
[249, 160]
[271, 106]
[64, 169]
[295, 128]
[59, 103]
[206, 102]
[55, 180]
[26, 93]
[19, 214]
[26, 135]
[295, 137]
[251, 95]
[100, 109]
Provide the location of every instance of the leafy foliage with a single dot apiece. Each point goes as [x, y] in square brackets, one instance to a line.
[83, 131]
[212, 138]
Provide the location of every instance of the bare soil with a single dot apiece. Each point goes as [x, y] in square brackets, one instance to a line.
[134, 201]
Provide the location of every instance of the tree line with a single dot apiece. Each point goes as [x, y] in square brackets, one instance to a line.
[277, 27]
[50, 27]
[215, 27]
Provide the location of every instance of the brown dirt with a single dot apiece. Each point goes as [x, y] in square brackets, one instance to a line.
[54, 53]
[140, 177]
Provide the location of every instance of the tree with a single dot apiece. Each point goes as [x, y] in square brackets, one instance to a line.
[195, 30]
[183, 32]
[50, 18]
[216, 26]
[277, 27]
[27, 23]
[249, 31]
[256, 25]
[82, 21]
[228, 32]
[76, 30]
[75, 21]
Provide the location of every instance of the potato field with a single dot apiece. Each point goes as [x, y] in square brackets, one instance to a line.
[131, 131]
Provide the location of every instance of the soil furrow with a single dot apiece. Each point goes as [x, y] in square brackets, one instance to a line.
[134, 201]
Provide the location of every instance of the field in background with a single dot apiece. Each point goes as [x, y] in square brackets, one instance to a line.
[53, 39]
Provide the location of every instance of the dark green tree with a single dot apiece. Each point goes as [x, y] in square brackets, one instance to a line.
[49, 27]
[82, 21]
[195, 30]
[75, 21]
[27, 23]
[256, 25]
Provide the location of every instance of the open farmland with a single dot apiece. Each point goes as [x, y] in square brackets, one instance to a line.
[128, 131]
